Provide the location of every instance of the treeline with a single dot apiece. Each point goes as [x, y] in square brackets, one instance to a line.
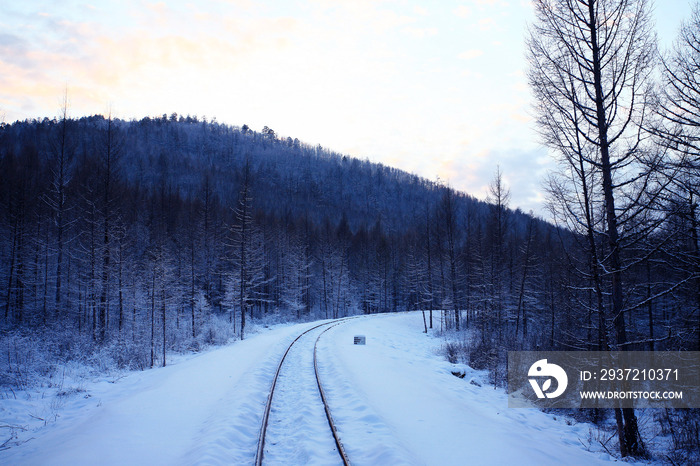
[141, 230]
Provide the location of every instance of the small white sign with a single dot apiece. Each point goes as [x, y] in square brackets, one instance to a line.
[359, 339]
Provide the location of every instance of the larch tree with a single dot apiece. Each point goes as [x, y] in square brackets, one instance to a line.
[241, 244]
[498, 226]
[678, 129]
[110, 148]
[447, 227]
[61, 147]
[248, 252]
[528, 263]
[590, 71]
[429, 267]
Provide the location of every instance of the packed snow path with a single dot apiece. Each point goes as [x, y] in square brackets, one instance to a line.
[394, 401]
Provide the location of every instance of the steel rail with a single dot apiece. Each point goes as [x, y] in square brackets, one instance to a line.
[266, 415]
[331, 424]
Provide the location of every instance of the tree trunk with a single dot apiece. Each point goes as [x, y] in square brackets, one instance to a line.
[629, 441]
[163, 306]
[153, 317]
[192, 292]
[12, 269]
[696, 251]
[121, 290]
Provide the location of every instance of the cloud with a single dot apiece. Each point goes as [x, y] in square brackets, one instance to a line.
[14, 52]
[107, 63]
[522, 171]
[373, 16]
[471, 74]
[470, 54]
[462, 11]
[420, 33]
[11, 40]
[486, 24]
[420, 11]
[244, 4]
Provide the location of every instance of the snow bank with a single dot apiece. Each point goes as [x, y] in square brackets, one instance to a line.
[203, 410]
[395, 400]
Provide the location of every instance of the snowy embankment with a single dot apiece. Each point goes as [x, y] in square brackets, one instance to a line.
[394, 400]
[205, 409]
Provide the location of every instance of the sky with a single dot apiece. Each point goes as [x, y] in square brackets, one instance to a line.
[436, 88]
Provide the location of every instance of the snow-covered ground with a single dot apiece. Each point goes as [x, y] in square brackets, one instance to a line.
[394, 400]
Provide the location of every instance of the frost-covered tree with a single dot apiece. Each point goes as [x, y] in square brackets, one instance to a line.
[498, 227]
[678, 130]
[62, 149]
[590, 70]
[248, 250]
[449, 244]
[110, 147]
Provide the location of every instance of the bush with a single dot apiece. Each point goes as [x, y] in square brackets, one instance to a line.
[455, 352]
[683, 427]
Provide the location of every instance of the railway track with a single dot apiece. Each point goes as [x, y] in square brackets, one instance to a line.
[293, 380]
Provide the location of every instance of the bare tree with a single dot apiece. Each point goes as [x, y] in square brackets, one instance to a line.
[447, 228]
[429, 266]
[61, 145]
[242, 229]
[498, 198]
[678, 128]
[528, 260]
[590, 70]
[248, 253]
[679, 103]
[111, 147]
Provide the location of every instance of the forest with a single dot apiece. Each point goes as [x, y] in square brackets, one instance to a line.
[122, 241]
[143, 231]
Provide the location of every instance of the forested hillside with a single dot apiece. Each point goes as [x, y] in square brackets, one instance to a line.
[115, 227]
[139, 233]
[142, 230]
